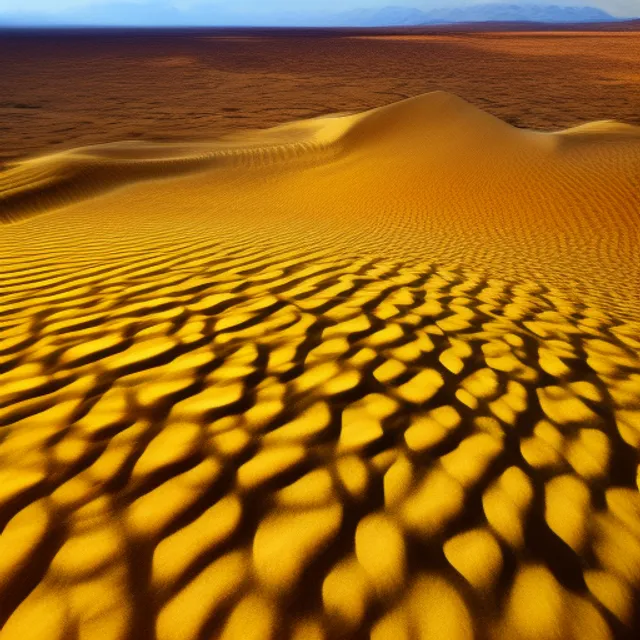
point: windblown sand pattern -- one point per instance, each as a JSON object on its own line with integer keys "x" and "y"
{"x": 362, "y": 376}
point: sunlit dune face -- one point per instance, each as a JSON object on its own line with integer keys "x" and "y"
{"x": 431, "y": 176}
{"x": 371, "y": 376}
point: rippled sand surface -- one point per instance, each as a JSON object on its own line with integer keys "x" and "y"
{"x": 363, "y": 376}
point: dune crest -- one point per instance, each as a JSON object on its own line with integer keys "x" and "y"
{"x": 433, "y": 177}
{"x": 50, "y": 181}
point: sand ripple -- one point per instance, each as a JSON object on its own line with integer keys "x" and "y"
{"x": 208, "y": 429}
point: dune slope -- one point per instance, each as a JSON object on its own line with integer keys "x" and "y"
{"x": 432, "y": 179}
{"x": 374, "y": 375}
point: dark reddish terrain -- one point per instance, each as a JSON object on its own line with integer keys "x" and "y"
{"x": 64, "y": 89}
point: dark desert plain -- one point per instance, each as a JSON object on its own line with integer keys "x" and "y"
{"x": 65, "y": 89}
{"x": 316, "y": 335}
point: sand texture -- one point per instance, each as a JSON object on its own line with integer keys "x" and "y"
{"x": 363, "y": 376}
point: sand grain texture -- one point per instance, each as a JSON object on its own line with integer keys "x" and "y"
{"x": 373, "y": 375}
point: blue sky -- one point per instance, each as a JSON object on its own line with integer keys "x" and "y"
{"x": 51, "y": 7}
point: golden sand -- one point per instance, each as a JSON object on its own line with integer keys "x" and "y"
{"x": 375, "y": 375}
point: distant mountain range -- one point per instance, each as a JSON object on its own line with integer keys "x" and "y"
{"x": 394, "y": 16}
{"x": 128, "y": 14}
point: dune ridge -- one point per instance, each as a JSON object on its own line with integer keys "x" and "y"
{"x": 368, "y": 376}
{"x": 397, "y": 127}
{"x": 46, "y": 182}
{"x": 455, "y": 171}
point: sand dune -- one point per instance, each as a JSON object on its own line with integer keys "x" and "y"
{"x": 373, "y": 375}
{"x": 93, "y": 87}
{"x": 430, "y": 179}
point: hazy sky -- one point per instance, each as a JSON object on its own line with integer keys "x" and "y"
{"x": 615, "y": 7}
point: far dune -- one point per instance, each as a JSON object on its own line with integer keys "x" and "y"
{"x": 63, "y": 90}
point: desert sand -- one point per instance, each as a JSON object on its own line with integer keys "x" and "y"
{"x": 63, "y": 90}
{"x": 371, "y": 375}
